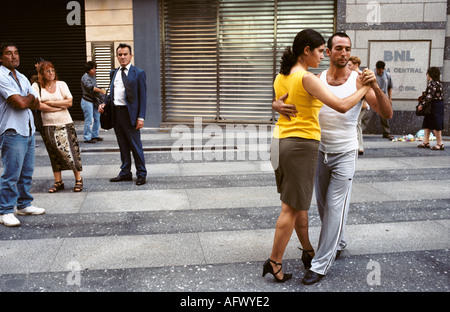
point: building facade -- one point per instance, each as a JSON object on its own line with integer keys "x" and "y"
{"x": 217, "y": 59}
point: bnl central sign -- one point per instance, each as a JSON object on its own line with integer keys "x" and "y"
{"x": 406, "y": 61}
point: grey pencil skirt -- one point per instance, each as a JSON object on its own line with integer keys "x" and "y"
{"x": 294, "y": 161}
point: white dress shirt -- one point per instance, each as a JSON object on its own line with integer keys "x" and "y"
{"x": 119, "y": 88}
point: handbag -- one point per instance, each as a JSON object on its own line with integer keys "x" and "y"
{"x": 106, "y": 118}
{"x": 426, "y": 107}
{"x": 37, "y": 116}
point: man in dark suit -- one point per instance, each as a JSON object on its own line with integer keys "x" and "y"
{"x": 128, "y": 94}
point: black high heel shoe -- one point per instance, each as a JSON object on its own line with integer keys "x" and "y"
{"x": 306, "y": 258}
{"x": 267, "y": 268}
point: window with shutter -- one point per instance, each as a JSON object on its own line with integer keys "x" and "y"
{"x": 103, "y": 55}
{"x": 219, "y": 57}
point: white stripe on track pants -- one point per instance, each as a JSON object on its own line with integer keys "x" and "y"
{"x": 333, "y": 186}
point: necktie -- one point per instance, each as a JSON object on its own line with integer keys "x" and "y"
{"x": 128, "y": 88}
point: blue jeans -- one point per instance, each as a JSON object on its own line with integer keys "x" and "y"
{"x": 18, "y": 167}
{"x": 90, "y": 113}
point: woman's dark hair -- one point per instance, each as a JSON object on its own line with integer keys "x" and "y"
{"x": 89, "y": 65}
{"x": 305, "y": 38}
{"x": 434, "y": 73}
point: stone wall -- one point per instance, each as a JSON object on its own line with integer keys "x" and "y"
{"x": 109, "y": 21}
{"x": 409, "y": 20}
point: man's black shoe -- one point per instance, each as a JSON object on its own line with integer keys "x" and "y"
{"x": 120, "y": 179}
{"x": 311, "y": 277}
{"x": 338, "y": 254}
{"x": 90, "y": 141}
{"x": 98, "y": 139}
{"x": 140, "y": 181}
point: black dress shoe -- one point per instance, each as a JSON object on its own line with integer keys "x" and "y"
{"x": 120, "y": 179}
{"x": 90, "y": 141}
{"x": 98, "y": 139}
{"x": 311, "y": 277}
{"x": 140, "y": 181}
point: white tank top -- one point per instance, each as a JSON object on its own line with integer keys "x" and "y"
{"x": 338, "y": 130}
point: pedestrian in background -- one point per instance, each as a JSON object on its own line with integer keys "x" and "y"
{"x": 354, "y": 62}
{"x": 435, "y": 120}
{"x": 384, "y": 80}
{"x": 92, "y": 96}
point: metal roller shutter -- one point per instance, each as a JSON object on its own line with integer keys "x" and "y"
{"x": 220, "y": 57}
{"x": 41, "y": 29}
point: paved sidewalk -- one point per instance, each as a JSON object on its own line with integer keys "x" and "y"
{"x": 206, "y": 226}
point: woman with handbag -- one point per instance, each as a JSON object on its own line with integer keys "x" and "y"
{"x": 60, "y": 137}
{"x": 434, "y": 121}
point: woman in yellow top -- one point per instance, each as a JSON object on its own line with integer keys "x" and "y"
{"x": 295, "y": 145}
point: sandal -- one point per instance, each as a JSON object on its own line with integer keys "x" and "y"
{"x": 57, "y": 186}
{"x": 424, "y": 145}
{"x": 78, "y": 186}
{"x": 267, "y": 268}
{"x": 306, "y": 258}
{"x": 436, "y": 148}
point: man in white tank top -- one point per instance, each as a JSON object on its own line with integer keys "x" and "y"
{"x": 337, "y": 153}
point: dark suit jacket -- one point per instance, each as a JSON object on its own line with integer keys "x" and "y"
{"x": 137, "y": 80}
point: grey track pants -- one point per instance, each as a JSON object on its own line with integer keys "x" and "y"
{"x": 334, "y": 177}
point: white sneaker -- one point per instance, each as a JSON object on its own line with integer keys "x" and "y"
{"x": 9, "y": 219}
{"x": 30, "y": 210}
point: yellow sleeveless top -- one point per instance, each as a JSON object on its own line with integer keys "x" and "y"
{"x": 306, "y": 123}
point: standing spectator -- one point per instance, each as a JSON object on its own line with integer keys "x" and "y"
{"x": 129, "y": 103}
{"x": 17, "y": 143}
{"x": 384, "y": 80}
{"x": 435, "y": 120}
{"x": 92, "y": 96}
{"x": 354, "y": 62}
{"x": 32, "y": 75}
{"x": 60, "y": 135}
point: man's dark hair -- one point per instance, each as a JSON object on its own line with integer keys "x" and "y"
{"x": 124, "y": 45}
{"x": 4, "y": 45}
{"x": 338, "y": 34}
{"x": 89, "y": 65}
{"x": 38, "y": 60}
{"x": 380, "y": 65}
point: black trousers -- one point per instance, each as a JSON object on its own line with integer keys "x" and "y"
{"x": 129, "y": 140}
